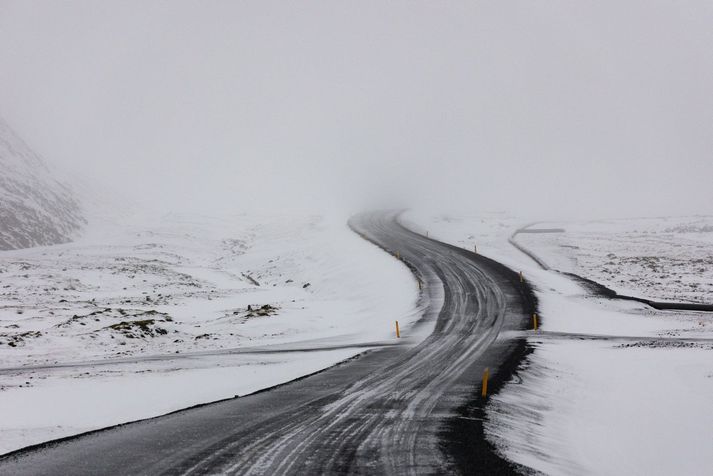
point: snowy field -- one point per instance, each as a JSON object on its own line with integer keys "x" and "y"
{"x": 157, "y": 313}
{"x": 663, "y": 259}
{"x": 612, "y": 387}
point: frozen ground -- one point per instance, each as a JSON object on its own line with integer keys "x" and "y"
{"x": 157, "y": 313}
{"x": 628, "y": 394}
{"x": 656, "y": 258}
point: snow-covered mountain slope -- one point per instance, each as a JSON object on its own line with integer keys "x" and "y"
{"x": 35, "y": 208}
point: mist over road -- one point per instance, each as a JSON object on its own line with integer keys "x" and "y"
{"x": 404, "y": 409}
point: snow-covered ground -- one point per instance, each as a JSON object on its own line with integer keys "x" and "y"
{"x": 630, "y": 394}
{"x": 656, "y": 258}
{"x": 150, "y": 314}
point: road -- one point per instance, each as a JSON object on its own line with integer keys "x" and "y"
{"x": 408, "y": 409}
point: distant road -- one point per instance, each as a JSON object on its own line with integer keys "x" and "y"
{"x": 598, "y": 288}
{"x": 409, "y": 409}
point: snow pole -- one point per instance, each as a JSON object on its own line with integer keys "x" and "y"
{"x": 522, "y": 279}
{"x": 534, "y": 321}
{"x": 486, "y": 375}
{"x": 398, "y": 255}
{"x": 475, "y": 249}
{"x": 398, "y": 332}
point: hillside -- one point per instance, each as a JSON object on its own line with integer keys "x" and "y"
{"x": 35, "y": 208}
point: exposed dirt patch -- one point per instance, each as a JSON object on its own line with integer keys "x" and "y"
{"x": 17, "y": 340}
{"x": 139, "y": 329}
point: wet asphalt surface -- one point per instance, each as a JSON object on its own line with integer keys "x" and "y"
{"x": 408, "y": 409}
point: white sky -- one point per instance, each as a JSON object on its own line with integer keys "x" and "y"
{"x": 546, "y": 108}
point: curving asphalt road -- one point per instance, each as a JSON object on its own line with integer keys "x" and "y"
{"x": 408, "y": 409}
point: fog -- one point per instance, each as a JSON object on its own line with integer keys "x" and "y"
{"x": 549, "y": 109}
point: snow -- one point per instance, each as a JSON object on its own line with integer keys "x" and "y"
{"x": 195, "y": 277}
{"x": 117, "y": 304}
{"x": 637, "y": 402}
{"x": 594, "y": 408}
{"x": 663, "y": 259}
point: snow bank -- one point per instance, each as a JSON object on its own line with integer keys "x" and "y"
{"x": 595, "y": 408}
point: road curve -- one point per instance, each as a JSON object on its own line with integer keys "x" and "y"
{"x": 410, "y": 409}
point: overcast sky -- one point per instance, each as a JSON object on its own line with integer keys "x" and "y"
{"x": 546, "y": 108}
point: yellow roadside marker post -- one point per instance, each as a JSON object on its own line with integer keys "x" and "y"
{"x": 486, "y": 375}
{"x": 398, "y": 332}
